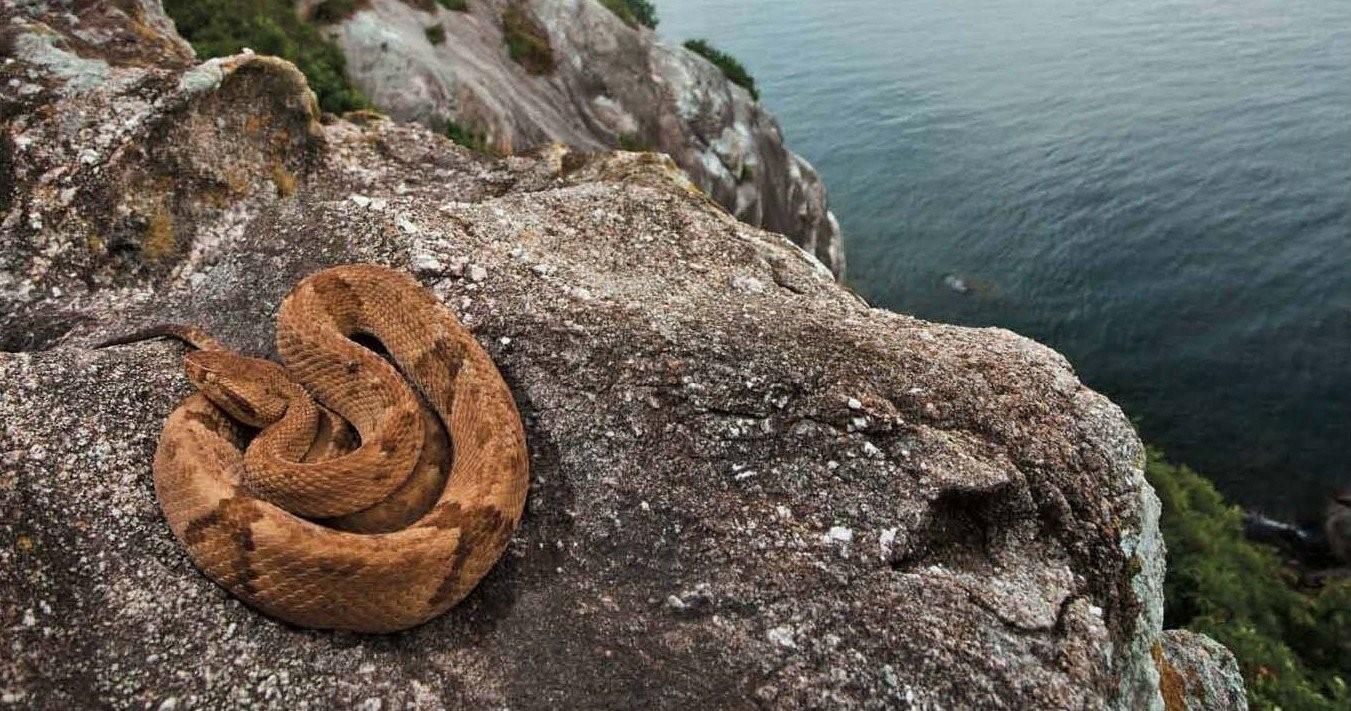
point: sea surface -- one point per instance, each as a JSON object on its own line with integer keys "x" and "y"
{"x": 1159, "y": 189}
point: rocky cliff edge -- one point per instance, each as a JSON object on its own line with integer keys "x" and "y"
{"x": 749, "y": 488}
{"x": 608, "y": 83}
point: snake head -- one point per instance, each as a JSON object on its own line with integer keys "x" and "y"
{"x": 251, "y": 390}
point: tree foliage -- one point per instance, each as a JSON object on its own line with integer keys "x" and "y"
{"x": 1293, "y": 645}
{"x": 216, "y": 28}
{"x": 731, "y": 68}
{"x": 634, "y": 12}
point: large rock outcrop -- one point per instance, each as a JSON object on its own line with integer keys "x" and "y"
{"x": 749, "y": 488}
{"x": 610, "y": 84}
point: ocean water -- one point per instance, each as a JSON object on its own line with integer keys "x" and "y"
{"x": 1159, "y": 189}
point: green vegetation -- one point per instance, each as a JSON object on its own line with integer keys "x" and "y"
{"x": 634, "y": 142}
{"x": 436, "y": 34}
{"x": 527, "y": 42}
{"x": 729, "y": 65}
{"x": 330, "y": 11}
{"x": 634, "y": 12}
{"x": 454, "y": 5}
{"x": 217, "y": 28}
{"x": 1293, "y": 645}
{"x": 467, "y": 137}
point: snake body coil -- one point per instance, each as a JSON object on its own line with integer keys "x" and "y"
{"x": 303, "y": 525}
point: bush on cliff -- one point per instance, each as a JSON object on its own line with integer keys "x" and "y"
{"x": 1294, "y": 646}
{"x": 467, "y": 136}
{"x": 217, "y": 28}
{"x": 633, "y": 12}
{"x": 731, "y": 68}
{"x": 527, "y": 41}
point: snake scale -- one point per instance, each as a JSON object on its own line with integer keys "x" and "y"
{"x": 358, "y": 503}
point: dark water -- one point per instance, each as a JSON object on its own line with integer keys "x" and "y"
{"x": 1159, "y": 189}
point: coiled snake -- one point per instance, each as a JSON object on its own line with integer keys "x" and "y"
{"x": 308, "y": 528}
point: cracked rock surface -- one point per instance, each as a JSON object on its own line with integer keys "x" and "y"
{"x": 748, "y": 487}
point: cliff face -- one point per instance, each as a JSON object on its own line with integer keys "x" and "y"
{"x": 748, "y": 486}
{"x": 609, "y": 85}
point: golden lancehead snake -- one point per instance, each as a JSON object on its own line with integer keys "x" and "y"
{"x": 346, "y": 509}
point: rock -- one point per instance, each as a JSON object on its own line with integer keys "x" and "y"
{"x": 1337, "y": 526}
{"x": 1020, "y": 562}
{"x": 611, "y": 85}
{"x": 782, "y": 636}
{"x": 1197, "y": 673}
{"x": 956, "y": 283}
{"x": 840, "y": 534}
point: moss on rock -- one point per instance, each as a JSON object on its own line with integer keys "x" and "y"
{"x": 527, "y": 41}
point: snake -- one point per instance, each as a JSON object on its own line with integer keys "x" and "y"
{"x": 368, "y": 481}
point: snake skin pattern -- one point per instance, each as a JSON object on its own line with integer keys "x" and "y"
{"x": 305, "y": 525}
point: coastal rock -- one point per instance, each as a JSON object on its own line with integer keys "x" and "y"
{"x": 1196, "y": 673}
{"x": 610, "y": 85}
{"x": 748, "y": 487}
{"x": 1337, "y": 526}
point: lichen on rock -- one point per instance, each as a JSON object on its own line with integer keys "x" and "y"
{"x": 1197, "y": 673}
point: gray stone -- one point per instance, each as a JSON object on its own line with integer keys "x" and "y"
{"x": 612, "y": 85}
{"x": 1198, "y": 674}
{"x": 1337, "y": 526}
